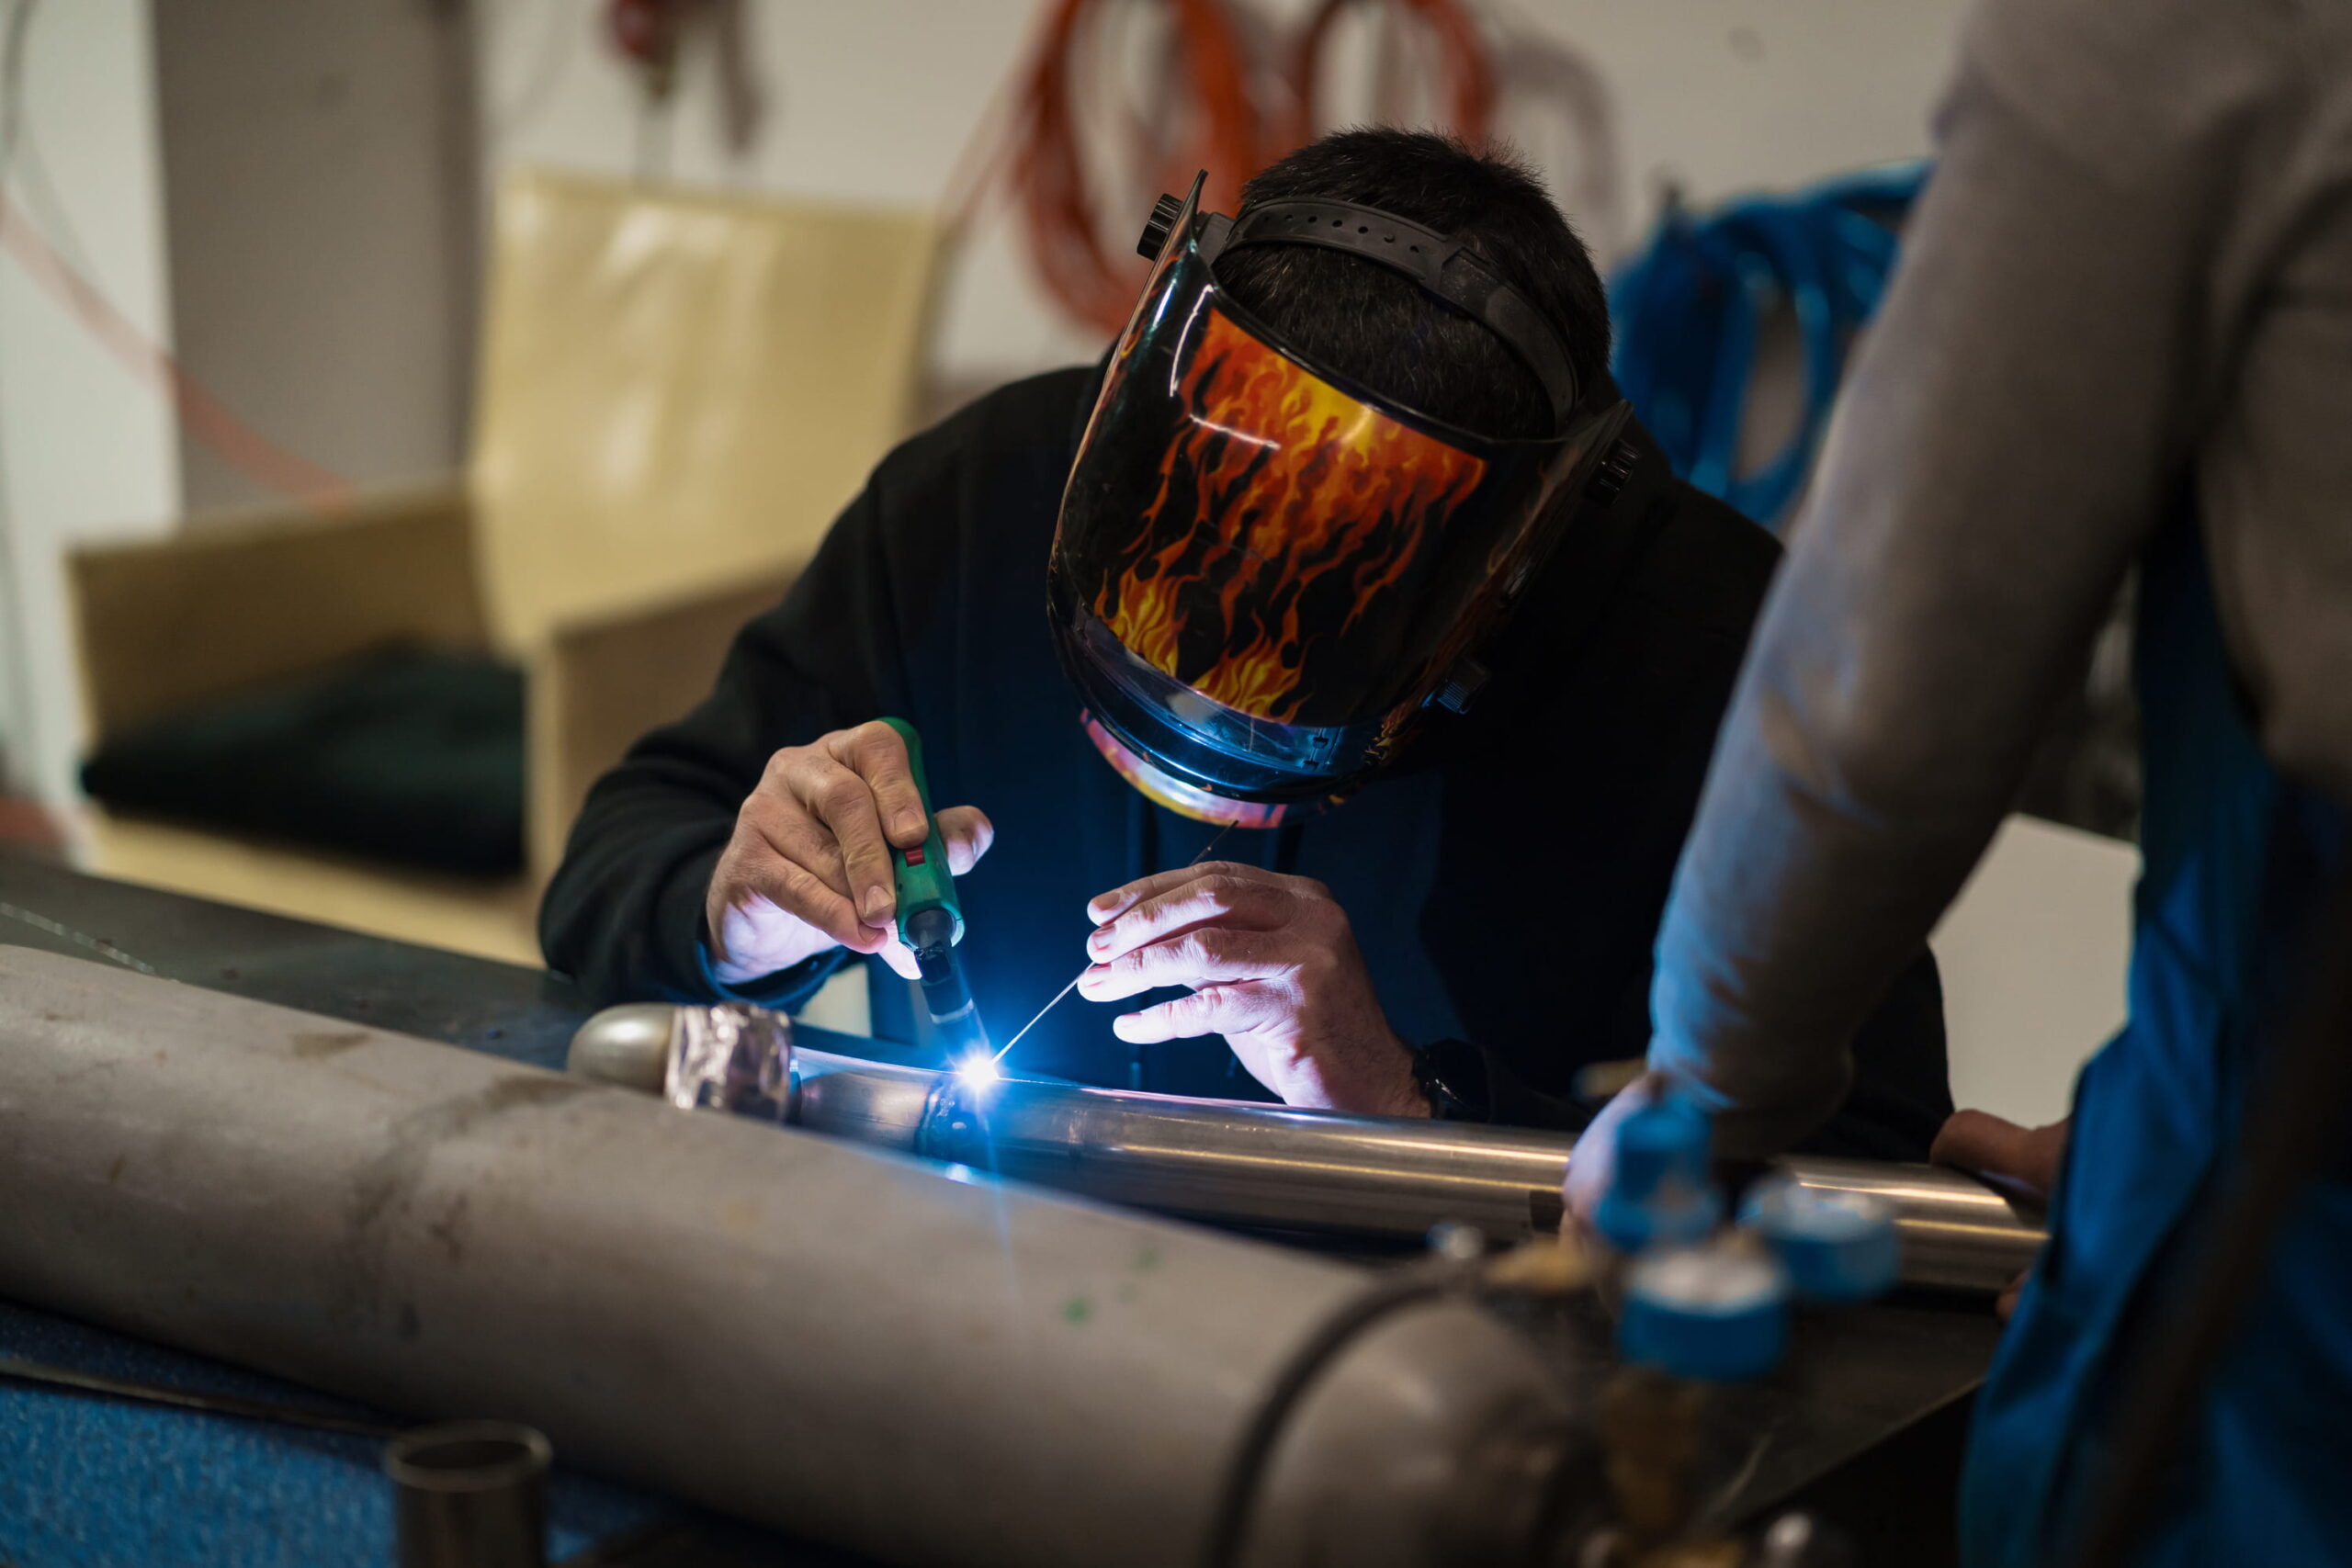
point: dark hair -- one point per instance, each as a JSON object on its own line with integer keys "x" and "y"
{"x": 1378, "y": 326}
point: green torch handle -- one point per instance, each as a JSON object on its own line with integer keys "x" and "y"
{"x": 920, "y": 876}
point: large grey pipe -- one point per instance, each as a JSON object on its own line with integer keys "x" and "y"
{"x": 1239, "y": 1162}
{"x": 838, "y": 1340}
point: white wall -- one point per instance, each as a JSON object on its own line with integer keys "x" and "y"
{"x": 86, "y": 445}
{"x": 2033, "y": 954}
{"x": 874, "y": 101}
{"x": 1727, "y": 95}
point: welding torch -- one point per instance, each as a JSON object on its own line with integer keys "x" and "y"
{"x": 931, "y": 921}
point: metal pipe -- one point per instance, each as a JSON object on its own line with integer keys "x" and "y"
{"x": 1249, "y": 1163}
{"x": 836, "y": 1340}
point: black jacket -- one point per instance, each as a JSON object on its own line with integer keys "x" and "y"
{"x": 1505, "y": 889}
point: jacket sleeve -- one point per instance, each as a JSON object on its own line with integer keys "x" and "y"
{"x": 624, "y": 913}
{"x": 2016, "y": 420}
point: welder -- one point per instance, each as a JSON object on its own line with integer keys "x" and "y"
{"x": 1346, "y": 560}
{"x": 2121, "y": 338}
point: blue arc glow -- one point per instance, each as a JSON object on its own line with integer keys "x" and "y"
{"x": 978, "y": 1072}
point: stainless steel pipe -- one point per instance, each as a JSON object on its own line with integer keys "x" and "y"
{"x": 836, "y": 1340}
{"x": 1245, "y": 1162}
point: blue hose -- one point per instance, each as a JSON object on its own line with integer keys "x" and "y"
{"x": 1687, "y": 308}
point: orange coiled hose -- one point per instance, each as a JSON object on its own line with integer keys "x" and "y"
{"x": 1469, "y": 69}
{"x": 1235, "y": 99}
{"x": 1094, "y": 275}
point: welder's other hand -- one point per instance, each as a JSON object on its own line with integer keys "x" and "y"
{"x": 808, "y": 866}
{"x": 1592, "y": 1164}
{"x": 2022, "y": 1161}
{"x": 1272, "y": 966}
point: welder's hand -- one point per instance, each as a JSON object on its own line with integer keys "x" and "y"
{"x": 2023, "y": 1161}
{"x": 808, "y": 867}
{"x": 1273, "y": 967}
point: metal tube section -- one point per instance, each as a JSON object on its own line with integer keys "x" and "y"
{"x": 1258, "y": 1164}
{"x": 845, "y": 1343}
{"x": 1249, "y": 1163}
{"x": 469, "y": 1494}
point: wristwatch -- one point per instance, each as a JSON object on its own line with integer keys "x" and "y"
{"x": 1452, "y": 1076}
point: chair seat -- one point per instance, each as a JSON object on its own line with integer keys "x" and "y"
{"x": 488, "y": 919}
{"x": 410, "y": 758}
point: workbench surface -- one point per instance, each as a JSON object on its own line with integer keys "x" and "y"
{"x": 91, "y": 1483}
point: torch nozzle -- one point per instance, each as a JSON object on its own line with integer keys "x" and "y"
{"x": 931, "y": 933}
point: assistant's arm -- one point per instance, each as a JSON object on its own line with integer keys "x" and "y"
{"x": 2020, "y": 412}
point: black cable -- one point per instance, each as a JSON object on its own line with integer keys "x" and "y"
{"x": 201, "y": 1402}
{"x": 1238, "y": 1497}
{"x": 2289, "y": 1136}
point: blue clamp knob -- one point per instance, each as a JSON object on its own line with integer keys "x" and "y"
{"x": 1661, "y": 1193}
{"x": 1837, "y": 1246}
{"x": 1717, "y": 1313}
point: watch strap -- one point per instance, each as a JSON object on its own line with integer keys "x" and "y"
{"x": 1452, "y": 1074}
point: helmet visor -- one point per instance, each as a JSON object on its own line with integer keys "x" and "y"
{"x": 1262, "y": 570}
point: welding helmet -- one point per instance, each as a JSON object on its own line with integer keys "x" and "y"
{"x": 1264, "y": 572}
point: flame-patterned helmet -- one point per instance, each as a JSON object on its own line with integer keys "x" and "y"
{"x": 1263, "y": 571}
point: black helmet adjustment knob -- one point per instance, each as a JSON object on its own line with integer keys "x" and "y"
{"x": 1615, "y": 469}
{"x": 1159, "y": 226}
{"x": 1461, "y": 687}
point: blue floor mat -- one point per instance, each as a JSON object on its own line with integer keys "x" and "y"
{"x": 95, "y": 1482}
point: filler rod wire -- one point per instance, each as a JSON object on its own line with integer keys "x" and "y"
{"x": 1074, "y": 979}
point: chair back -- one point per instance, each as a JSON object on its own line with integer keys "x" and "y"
{"x": 678, "y": 391}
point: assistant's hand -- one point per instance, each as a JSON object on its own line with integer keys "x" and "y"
{"x": 808, "y": 867}
{"x": 2024, "y": 1161}
{"x": 1273, "y": 967}
{"x": 1592, "y": 1164}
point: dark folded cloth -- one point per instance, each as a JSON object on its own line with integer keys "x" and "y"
{"x": 407, "y": 756}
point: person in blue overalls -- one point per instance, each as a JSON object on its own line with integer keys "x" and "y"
{"x": 2121, "y": 335}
